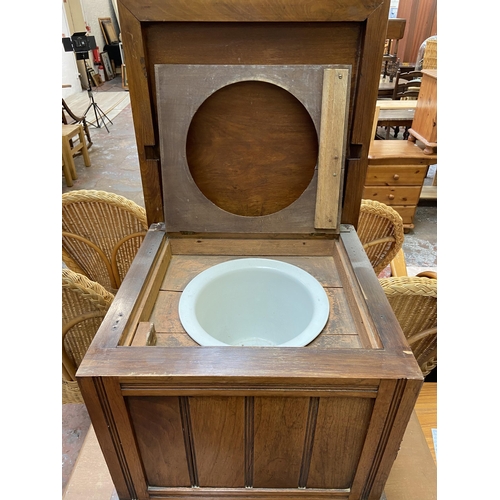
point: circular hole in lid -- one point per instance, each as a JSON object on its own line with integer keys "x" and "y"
{"x": 252, "y": 148}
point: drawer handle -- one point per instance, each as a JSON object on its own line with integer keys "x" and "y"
{"x": 391, "y": 197}
{"x": 395, "y": 177}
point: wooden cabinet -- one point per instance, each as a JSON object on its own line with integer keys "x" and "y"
{"x": 424, "y": 126}
{"x": 395, "y": 176}
{"x": 231, "y": 100}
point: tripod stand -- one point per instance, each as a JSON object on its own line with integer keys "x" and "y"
{"x": 98, "y": 112}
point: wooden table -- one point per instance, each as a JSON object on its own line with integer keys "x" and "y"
{"x": 413, "y": 475}
{"x": 395, "y": 118}
{"x": 386, "y": 87}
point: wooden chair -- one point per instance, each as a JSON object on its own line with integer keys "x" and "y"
{"x": 70, "y": 118}
{"x": 406, "y": 88}
{"x": 101, "y": 234}
{"x": 84, "y": 305}
{"x": 414, "y": 302}
{"x": 395, "y": 32}
{"x": 405, "y": 83}
{"x": 70, "y": 149}
{"x": 380, "y": 230}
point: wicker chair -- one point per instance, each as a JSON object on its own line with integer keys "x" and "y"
{"x": 414, "y": 302}
{"x": 84, "y": 305}
{"x": 101, "y": 234}
{"x": 380, "y": 230}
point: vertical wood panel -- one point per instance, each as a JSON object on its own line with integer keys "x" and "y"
{"x": 144, "y": 124}
{"x": 158, "y": 429}
{"x": 218, "y": 425}
{"x": 280, "y": 426}
{"x": 340, "y": 434}
{"x": 364, "y": 108}
{"x": 125, "y": 440}
{"x": 331, "y": 147}
{"x": 95, "y": 401}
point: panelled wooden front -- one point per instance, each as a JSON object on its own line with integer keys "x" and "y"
{"x": 259, "y": 442}
{"x": 339, "y": 441}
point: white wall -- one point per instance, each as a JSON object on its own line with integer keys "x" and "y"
{"x": 69, "y": 67}
{"x": 393, "y": 9}
{"x": 92, "y": 11}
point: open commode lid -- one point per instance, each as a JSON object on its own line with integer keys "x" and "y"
{"x": 252, "y": 149}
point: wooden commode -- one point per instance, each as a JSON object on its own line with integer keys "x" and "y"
{"x": 251, "y": 128}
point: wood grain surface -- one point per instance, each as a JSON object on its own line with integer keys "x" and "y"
{"x": 242, "y": 158}
{"x": 426, "y": 410}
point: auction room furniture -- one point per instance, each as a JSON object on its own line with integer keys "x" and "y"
{"x": 385, "y": 88}
{"x": 252, "y": 133}
{"x": 154, "y": 38}
{"x": 102, "y": 233}
{"x": 395, "y": 31}
{"x": 395, "y": 119}
{"x": 396, "y": 168}
{"x": 84, "y": 305}
{"x": 90, "y": 477}
{"x": 407, "y": 82}
{"x": 406, "y": 87}
{"x": 70, "y": 149}
{"x": 414, "y": 302}
{"x": 380, "y": 230}
{"x": 74, "y": 119}
{"x": 424, "y": 127}
{"x": 396, "y": 174}
{"x": 390, "y": 113}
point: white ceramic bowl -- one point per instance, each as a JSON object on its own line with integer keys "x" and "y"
{"x": 254, "y": 302}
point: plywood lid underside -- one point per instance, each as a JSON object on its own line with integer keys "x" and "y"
{"x": 239, "y": 147}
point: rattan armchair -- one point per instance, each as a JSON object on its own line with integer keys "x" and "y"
{"x": 101, "y": 234}
{"x": 84, "y": 305}
{"x": 380, "y": 230}
{"x": 414, "y": 302}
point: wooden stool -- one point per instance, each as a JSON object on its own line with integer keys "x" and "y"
{"x": 69, "y": 151}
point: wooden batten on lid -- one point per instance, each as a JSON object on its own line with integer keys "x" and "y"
{"x": 252, "y": 149}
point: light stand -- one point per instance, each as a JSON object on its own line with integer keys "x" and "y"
{"x": 98, "y": 112}
{"x": 81, "y": 44}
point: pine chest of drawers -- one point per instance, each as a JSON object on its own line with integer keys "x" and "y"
{"x": 395, "y": 176}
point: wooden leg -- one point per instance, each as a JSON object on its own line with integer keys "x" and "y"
{"x": 85, "y": 151}
{"x": 87, "y": 133}
{"x": 68, "y": 163}
{"x": 67, "y": 173}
